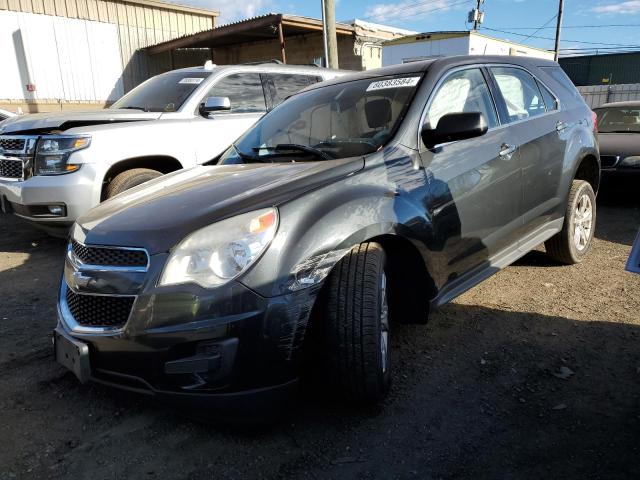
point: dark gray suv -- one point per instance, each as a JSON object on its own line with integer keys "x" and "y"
{"x": 368, "y": 199}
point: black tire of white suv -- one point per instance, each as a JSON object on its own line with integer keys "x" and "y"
{"x": 129, "y": 179}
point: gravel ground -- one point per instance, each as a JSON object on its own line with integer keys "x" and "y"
{"x": 533, "y": 374}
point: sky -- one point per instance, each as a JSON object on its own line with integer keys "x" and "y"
{"x": 607, "y": 25}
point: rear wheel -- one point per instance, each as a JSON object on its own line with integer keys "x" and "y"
{"x": 574, "y": 241}
{"x": 357, "y": 328}
{"x": 129, "y": 179}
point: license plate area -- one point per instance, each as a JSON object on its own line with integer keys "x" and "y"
{"x": 73, "y": 355}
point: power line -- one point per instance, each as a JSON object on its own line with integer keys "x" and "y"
{"x": 413, "y": 6}
{"x": 565, "y": 40}
{"x": 575, "y": 26}
{"x": 543, "y": 26}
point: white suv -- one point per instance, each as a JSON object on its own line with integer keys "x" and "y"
{"x": 56, "y": 166}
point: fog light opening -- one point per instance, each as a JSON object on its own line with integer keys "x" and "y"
{"x": 57, "y": 210}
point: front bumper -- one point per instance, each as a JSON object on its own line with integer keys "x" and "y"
{"x": 224, "y": 346}
{"x": 29, "y": 199}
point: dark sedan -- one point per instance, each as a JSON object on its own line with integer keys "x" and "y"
{"x": 619, "y": 127}
{"x": 361, "y": 201}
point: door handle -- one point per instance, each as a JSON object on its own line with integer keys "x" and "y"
{"x": 507, "y": 151}
{"x": 560, "y": 126}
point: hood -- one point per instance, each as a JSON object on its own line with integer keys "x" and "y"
{"x": 68, "y": 119}
{"x": 622, "y": 144}
{"x": 158, "y": 214}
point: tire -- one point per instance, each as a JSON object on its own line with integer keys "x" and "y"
{"x": 357, "y": 326}
{"x": 129, "y": 179}
{"x": 574, "y": 241}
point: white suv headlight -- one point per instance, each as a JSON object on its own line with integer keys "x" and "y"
{"x": 220, "y": 252}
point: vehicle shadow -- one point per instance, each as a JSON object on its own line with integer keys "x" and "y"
{"x": 618, "y": 210}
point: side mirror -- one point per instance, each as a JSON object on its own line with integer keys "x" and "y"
{"x": 215, "y": 104}
{"x": 454, "y": 126}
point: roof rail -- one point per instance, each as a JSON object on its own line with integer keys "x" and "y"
{"x": 262, "y": 62}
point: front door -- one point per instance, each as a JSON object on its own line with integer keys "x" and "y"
{"x": 474, "y": 186}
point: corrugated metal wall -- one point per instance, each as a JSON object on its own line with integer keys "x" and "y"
{"x": 139, "y": 23}
{"x": 622, "y": 68}
{"x": 596, "y": 95}
{"x": 65, "y": 58}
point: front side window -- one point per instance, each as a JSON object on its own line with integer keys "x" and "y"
{"x": 520, "y": 92}
{"x": 618, "y": 120}
{"x": 244, "y": 90}
{"x": 335, "y": 121}
{"x": 162, "y": 93}
{"x": 463, "y": 91}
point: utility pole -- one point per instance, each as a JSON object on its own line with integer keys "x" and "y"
{"x": 558, "y": 30}
{"x": 477, "y": 16}
{"x": 329, "y": 28}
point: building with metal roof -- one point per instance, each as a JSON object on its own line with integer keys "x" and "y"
{"x": 289, "y": 38}
{"x": 607, "y": 69}
{"x": 61, "y": 54}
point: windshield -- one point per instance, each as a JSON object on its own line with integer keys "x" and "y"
{"x": 620, "y": 120}
{"x": 163, "y": 93}
{"x": 337, "y": 121}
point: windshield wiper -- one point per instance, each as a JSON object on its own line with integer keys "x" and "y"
{"x": 294, "y": 146}
{"x": 136, "y": 108}
{"x": 245, "y": 156}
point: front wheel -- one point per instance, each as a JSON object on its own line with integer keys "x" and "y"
{"x": 574, "y": 241}
{"x": 357, "y": 324}
{"x": 129, "y": 179}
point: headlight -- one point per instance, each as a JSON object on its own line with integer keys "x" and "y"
{"x": 53, "y": 152}
{"x": 220, "y": 252}
{"x": 631, "y": 162}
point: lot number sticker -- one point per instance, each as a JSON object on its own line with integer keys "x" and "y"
{"x": 393, "y": 83}
{"x": 192, "y": 81}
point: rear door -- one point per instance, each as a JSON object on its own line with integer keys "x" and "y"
{"x": 533, "y": 114}
{"x": 475, "y": 185}
{"x": 215, "y": 132}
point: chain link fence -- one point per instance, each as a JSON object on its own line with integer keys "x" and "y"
{"x": 596, "y": 95}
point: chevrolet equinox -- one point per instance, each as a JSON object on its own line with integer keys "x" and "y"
{"x": 367, "y": 199}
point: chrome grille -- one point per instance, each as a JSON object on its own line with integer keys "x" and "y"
{"x": 98, "y": 310}
{"x": 109, "y": 256}
{"x": 608, "y": 161}
{"x": 13, "y": 144}
{"x": 10, "y": 168}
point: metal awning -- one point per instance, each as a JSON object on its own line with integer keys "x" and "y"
{"x": 266, "y": 27}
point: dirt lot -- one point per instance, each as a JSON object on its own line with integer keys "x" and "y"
{"x": 477, "y": 392}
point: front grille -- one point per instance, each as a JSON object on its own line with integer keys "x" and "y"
{"x": 608, "y": 161}
{"x": 109, "y": 257}
{"x": 99, "y": 311}
{"x": 12, "y": 144}
{"x": 10, "y": 168}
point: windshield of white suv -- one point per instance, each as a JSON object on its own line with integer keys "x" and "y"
{"x": 163, "y": 93}
{"x": 337, "y": 121}
{"x": 618, "y": 120}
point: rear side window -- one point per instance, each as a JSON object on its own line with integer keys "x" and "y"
{"x": 565, "y": 82}
{"x": 244, "y": 91}
{"x": 287, "y": 84}
{"x": 520, "y": 92}
{"x": 463, "y": 91}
